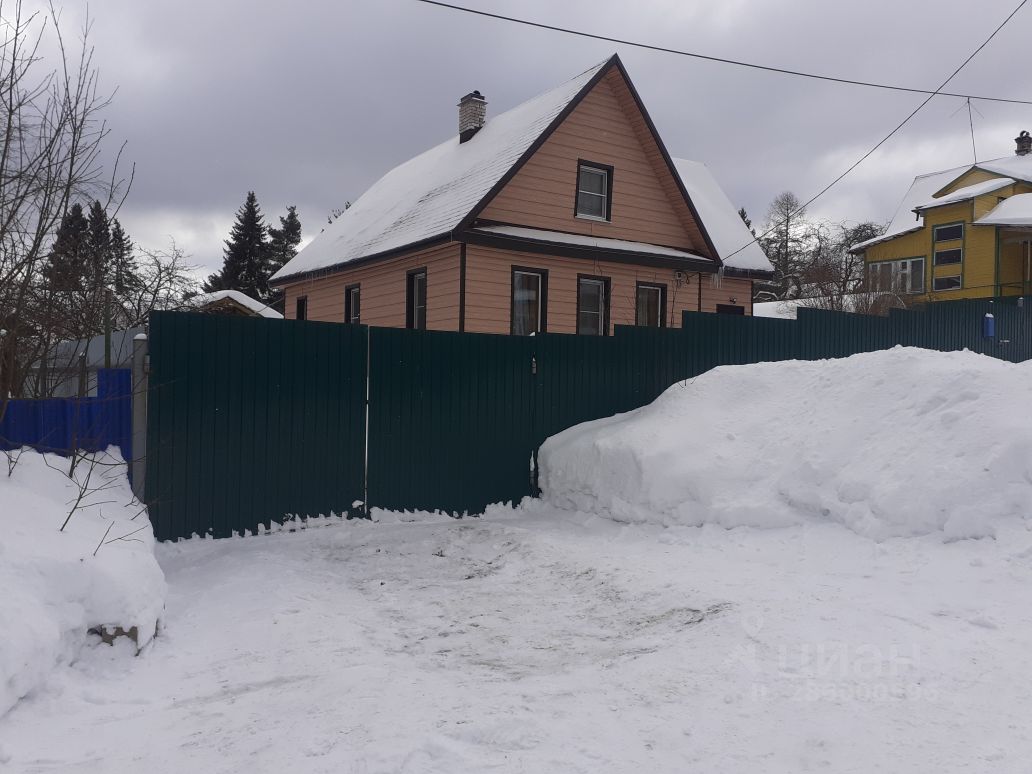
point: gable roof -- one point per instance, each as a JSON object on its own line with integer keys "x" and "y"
{"x": 904, "y": 221}
{"x": 442, "y": 190}
{"x": 967, "y": 192}
{"x": 253, "y": 305}
{"x": 730, "y": 235}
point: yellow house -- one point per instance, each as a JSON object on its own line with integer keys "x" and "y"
{"x": 960, "y": 233}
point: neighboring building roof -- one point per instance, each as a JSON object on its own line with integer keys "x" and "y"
{"x": 967, "y": 192}
{"x": 427, "y": 198}
{"x": 922, "y": 193}
{"x": 1018, "y": 167}
{"x": 903, "y": 221}
{"x": 789, "y": 308}
{"x": 726, "y": 228}
{"x": 1013, "y": 211}
{"x": 210, "y": 300}
{"x": 584, "y": 240}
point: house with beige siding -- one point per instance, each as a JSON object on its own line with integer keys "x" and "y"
{"x": 964, "y": 232}
{"x": 564, "y": 214}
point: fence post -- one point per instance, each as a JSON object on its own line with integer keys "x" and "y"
{"x": 138, "y": 464}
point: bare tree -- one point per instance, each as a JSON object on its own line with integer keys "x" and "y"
{"x": 51, "y": 154}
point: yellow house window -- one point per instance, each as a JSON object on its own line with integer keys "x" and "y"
{"x": 906, "y": 276}
{"x": 949, "y": 233}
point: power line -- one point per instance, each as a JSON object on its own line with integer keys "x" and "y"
{"x": 891, "y": 134}
{"x": 722, "y": 60}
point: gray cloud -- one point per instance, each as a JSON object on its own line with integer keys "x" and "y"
{"x": 308, "y": 103}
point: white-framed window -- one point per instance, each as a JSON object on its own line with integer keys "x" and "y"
{"x": 948, "y": 257}
{"x": 594, "y": 191}
{"x": 416, "y": 299}
{"x": 592, "y": 306}
{"x": 353, "y": 304}
{"x": 948, "y": 232}
{"x": 947, "y": 283}
{"x": 905, "y": 276}
{"x": 650, "y": 305}
{"x": 529, "y": 300}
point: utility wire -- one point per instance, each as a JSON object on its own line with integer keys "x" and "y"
{"x": 722, "y": 60}
{"x": 890, "y": 135}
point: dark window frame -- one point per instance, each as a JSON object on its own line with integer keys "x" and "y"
{"x": 607, "y": 284}
{"x": 542, "y": 301}
{"x": 661, "y": 286}
{"x": 301, "y": 308}
{"x": 935, "y": 232}
{"x": 596, "y": 165}
{"x": 958, "y": 277}
{"x": 409, "y": 306}
{"x": 348, "y": 289}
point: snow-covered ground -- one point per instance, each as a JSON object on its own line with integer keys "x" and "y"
{"x": 558, "y": 642}
{"x": 76, "y": 552}
{"x": 604, "y": 628}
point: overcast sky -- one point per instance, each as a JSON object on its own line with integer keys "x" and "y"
{"x": 308, "y": 103}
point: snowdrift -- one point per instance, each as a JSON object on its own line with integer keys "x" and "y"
{"x": 54, "y": 589}
{"x": 898, "y": 443}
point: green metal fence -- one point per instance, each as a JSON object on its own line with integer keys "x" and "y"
{"x": 254, "y": 420}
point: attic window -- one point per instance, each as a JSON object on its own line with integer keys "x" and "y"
{"x": 594, "y": 191}
{"x": 949, "y": 233}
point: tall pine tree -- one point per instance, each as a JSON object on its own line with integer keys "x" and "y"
{"x": 243, "y": 263}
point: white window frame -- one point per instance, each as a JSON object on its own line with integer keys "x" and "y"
{"x": 602, "y": 326}
{"x": 583, "y": 167}
{"x": 901, "y": 279}
{"x": 958, "y": 277}
{"x": 540, "y": 275}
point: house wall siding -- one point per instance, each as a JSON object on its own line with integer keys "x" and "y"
{"x": 489, "y": 289}
{"x": 646, "y": 204}
{"x": 383, "y": 285}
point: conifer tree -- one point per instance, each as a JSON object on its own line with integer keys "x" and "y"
{"x": 243, "y": 264}
{"x": 123, "y": 262}
{"x": 283, "y": 241}
{"x": 66, "y": 264}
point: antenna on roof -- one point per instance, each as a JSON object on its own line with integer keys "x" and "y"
{"x": 971, "y": 125}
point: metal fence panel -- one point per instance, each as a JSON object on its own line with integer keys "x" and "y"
{"x": 251, "y": 421}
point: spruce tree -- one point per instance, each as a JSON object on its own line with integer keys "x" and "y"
{"x": 123, "y": 265}
{"x": 283, "y": 241}
{"x": 243, "y": 263}
{"x": 98, "y": 249}
{"x": 66, "y": 265}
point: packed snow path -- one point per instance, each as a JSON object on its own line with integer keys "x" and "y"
{"x": 558, "y": 643}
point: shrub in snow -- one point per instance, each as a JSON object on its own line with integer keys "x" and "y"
{"x": 895, "y": 443}
{"x": 98, "y": 573}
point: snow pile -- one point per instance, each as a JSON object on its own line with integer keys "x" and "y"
{"x": 896, "y": 443}
{"x": 57, "y": 585}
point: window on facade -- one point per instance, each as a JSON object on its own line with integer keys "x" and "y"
{"x": 594, "y": 189}
{"x": 592, "y": 306}
{"x": 415, "y": 316}
{"x": 948, "y": 233}
{"x": 301, "y": 308}
{"x": 650, "y": 305}
{"x": 528, "y": 301}
{"x": 353, "y": 304}
{"x": 906, "y": 276}
{"x": 946, "y": 283}
{"x": 947, "y": 257}
{"x": 730, "y": 309}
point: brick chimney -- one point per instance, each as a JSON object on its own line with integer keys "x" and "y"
{"x": 472, "y": 115}
{"x": 1024, "y": 143}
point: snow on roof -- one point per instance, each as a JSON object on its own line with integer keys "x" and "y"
{"x": 561, "y": 237}
{"x": 967, "y": 192}
{"x": 429, "y": 195}
{"x": 920, "y": 190}
{"x": 1013, "y": 211}
{"x": 721, "y": 219}
{"x": 260, "y": 309}
{"x": 1018, "y": 167}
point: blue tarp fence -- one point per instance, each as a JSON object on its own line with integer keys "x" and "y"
{"x": 62, "y": 425}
